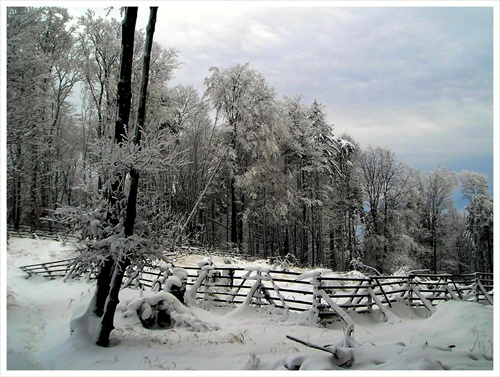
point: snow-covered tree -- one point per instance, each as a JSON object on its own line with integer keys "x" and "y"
{"x": 345, "y": 206}
{"x": 189, "y": 122}
{"x": 478, "y": 236}
{"x": 41, "y": 72}
{"x": 438, "y": 187}
{"x": 384, "y": 180}
{"x": 99, "y": 48}
{"x": 245, "y": 102}
{"x": 121, "y": 160}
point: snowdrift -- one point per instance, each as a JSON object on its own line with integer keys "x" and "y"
{"x": 457, "y": 336}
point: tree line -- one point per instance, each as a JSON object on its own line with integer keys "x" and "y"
{"x": 238, "y": 167}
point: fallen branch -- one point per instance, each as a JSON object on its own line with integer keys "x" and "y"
{"x": 341, "y": 352}
{"x": 311, "y": 345}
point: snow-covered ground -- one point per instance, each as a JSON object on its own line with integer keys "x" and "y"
{"x": 458, "y": 336}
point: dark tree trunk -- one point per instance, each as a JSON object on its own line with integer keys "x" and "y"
{"x": 124, "y": 83}
{"x": 112, "y": 301}
{"x": 121, "y": 265}
{"x": 286, "y": 245}
{"x": 234, "y": 212}
{"x": 33, "y": 188}
{"x": 17, "y": 193}
{"x": 434, "y": 251}
{"x": 139, "y": 125}
{"x": 17, "y": 202}
{"x": 102, "y": 288}
{"x": 109, "y": 278}
{"x": 213, "y": 223}
{"x": 240, "y": 221}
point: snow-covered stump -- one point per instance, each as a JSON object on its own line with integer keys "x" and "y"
{"x": 179, "y": 275}
{"x": 164, "y": 311}
{"x": 208, "y": 287}
{"x": 174, "y": 286}
{"x": 159, "y": 283}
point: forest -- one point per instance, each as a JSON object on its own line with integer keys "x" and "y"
{"x": 238, "y": 168}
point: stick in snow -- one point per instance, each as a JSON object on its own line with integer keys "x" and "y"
{"x": 342, "y": 358}
{"x": 308, "y": 344}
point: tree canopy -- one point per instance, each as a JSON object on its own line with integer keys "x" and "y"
{"x": 238, "y": 167}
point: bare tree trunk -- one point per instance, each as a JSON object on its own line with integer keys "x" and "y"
{"x": 139, "y": 126}
{"x": 106, "y": 290}
{"x": 121, "y": 265}
{"x": 17, "y": 192}
{"x": 234, "y": 212}
{"x": 196, "y": 205}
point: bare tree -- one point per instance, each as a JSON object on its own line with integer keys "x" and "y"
{"x": 478, "y": 236}
{"x": 382, "y": 182}
{"x": 243, "y": 99}
{"x": 108, "y": 280}
{"x": 438, "y": 190}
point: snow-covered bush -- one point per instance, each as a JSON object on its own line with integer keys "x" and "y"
{"x": 162, "y": 311}
{"x": 283, "y": 263}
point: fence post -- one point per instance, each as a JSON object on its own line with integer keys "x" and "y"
{"x": 314, "y": 317}
{"x": 269, "y": 278}
{"x": 191, "y": 293}
{"x": 370, "y": 300}
{"x": 410, "y": 289}
{"x": 456, "y": 288}
{"x": 480, "y": 289}
{"x": 476, "y": 286}
{"x": 255, "y": 290}
{"x": 207, "y": 285}
{"x": 383, "y": 292}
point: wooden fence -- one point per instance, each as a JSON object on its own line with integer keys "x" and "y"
{"x": 325, "y": 295}
{"x": 322, "y": 293}
{"x": 46, "y": 232}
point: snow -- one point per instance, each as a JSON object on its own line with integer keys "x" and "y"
{"x": 257, "y": 268}
{"x": 40, "y": 313}
{"x": 308, "y": 275}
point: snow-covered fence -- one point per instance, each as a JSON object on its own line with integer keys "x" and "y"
{"x": 43, "y": 232}
{"x": 476, "y": 287}
{"x": 390, "y": 289}
{"x": 51, "y": 270}
{"x": 441, "y": 287}
{"x": 232, "y": 286}
{"x": 323, "y": 294}
{"x": 338, "y": 294}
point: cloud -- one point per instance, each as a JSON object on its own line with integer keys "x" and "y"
{"x": 259, "y": 37}
{"x": 417, "y": 80}
{"x": 437, "y": 134}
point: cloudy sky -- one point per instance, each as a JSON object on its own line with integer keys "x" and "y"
{"x": 416, "y": 80}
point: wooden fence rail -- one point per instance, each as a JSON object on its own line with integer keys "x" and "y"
{"x": 45, "y": 232}
{"x": 327, "y": 297}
